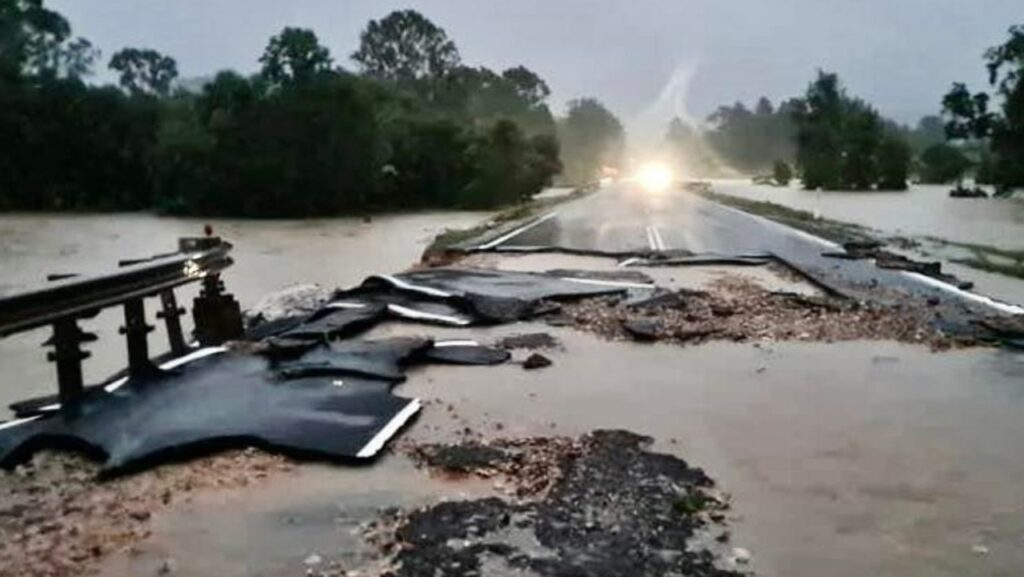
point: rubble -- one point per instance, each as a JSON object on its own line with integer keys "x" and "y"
{"x": 598, "y": 505}
{"x": 644, "y": 330}
{"x": 530, "y": 342}
{"x": 890, "y": 260}
{"x": 536, "y": 361}
{"x": 298, "y": 300}
{"x": 737, "y": 309}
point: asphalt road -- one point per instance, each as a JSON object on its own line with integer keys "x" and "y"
{"x": 625, "y": 218}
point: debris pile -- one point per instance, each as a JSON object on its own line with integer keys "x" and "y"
{"x": 738, "y": 309}
{"x": 890, "y": 260}
{"x": 599, "y": 505}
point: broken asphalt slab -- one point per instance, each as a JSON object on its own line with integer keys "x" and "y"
{"x": 297, "y": 390}
{"x": 333, "y": 403}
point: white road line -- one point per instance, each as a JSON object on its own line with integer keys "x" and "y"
{"x": 463, "y": 343}
{"x": 16, "y": 422}
{"x": 609, "y": 283}
{"x": 650, "y": 239}
{"x": 414, "y": 314}
{"x": 389, "y": 430}
{"x": 628, "y": 262}
{"x": 657, "y": 238}
{"x": 980, "y": 299}
{"x": 654, "y": 239}
{"x": 509, "y": 236}
{"x": 113, "y": 386}
{"x": 343, "y": 305}
{"x": 399, "y": 283}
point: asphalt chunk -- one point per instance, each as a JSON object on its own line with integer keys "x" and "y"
{"x": 608, "y": 507}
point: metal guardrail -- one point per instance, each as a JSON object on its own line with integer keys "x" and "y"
{"x": 65, "y": 301}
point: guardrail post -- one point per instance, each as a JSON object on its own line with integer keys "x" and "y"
{"x": 217, "y": 315}
{"x": 135, "y": 330}
{"x": 171, "y": 315}
{"x": 68, "y": 355}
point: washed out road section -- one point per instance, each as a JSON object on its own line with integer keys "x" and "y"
{"x": 625, "y": 219}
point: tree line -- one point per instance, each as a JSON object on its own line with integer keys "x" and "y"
{"x": 411, "y": 127}
{"x": 833, "y": 140}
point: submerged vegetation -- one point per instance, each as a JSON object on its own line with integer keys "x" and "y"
{"x": 1001, "y": 132}
{"x": 412, "y": 127}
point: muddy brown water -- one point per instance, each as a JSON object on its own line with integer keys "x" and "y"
{"x": 846, "y": 459}
{"x": 269, "y": 256}
{"x": 923, "y": 210}
{"x": 852, "y": 459}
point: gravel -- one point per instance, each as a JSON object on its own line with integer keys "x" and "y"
{"x": 737, "y": 309}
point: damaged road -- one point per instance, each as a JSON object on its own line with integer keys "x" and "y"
{"x": 599, "y": 505}
{"x": 680, "y": 228}
{"x": 292, "y": 387}
{"x": 738, "y": 310}
{"x": 314, "y": 379}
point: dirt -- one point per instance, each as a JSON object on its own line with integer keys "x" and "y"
{"x": 536, "y": 361}
{"x": 529, "y": 341}
{"x": 598, "y": 505}
{"x": 57, "y": 518}
{"x": 735, "y": 308}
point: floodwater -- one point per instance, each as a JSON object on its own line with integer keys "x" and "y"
{"x": 850, "y": 459}
{"x": 269, "y": 256}
{"x": 845, "y": 459}
{"x": 924, "y": 210}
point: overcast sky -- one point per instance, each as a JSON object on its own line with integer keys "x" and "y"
{"x": 646, "y": 59}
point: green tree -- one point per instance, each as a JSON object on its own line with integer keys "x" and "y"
{"x": 508, "y": 167}
{"x": 943, "y": 164}
{"x": 969, "y": 116}
{"x": 405, "y": 46}
{"x": 894, "y": 156}
{"x": 751, "y": 140}
{"x": 843, "y": 143}
{"x": 36, "y": 41}
{"x": 144, "y": 71}
{"x": 294, "y": 56}
{"x": 782, "y": 174}
{"x": 526, "y": 85}
{"x": 592, "y": 138}
{"x": 482, "y": 97}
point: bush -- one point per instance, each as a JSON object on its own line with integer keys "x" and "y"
{"x": 782, "y": 174}
{"x": 943, "y": 164}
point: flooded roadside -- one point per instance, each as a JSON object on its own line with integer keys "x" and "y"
{"x": 923, "y": 210}
{"x": 922, "y": 223}
{"x": 269, "y": 255}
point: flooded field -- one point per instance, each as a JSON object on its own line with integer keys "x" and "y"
{"x": 924, "y": 210}
{"x": 269, "y": 255}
